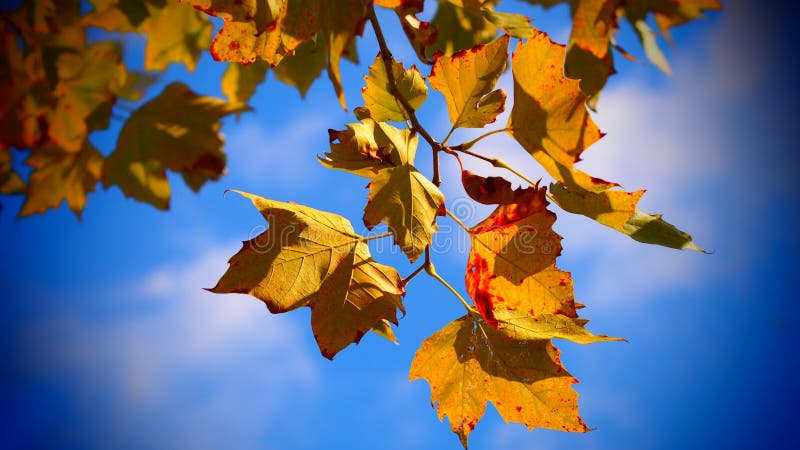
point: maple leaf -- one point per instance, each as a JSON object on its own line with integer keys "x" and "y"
{"x": 405, "y": 199}
{"x": 378, "y": 97}
{"x": 10, "y": 181}
{"x": 304, "y": 67}
{"x": 178, "y": 131}
{"x": 365, "y": 148}
{"x": 549, "y": 118}
{"x": 314, "y": 258}
{"x": 61, "y": 175}
{"x": 617, "y": 210}
{"x": 465, "y": 80}
{"x": 512, "y": 261}
{"x": 468, "y": 364}
{"x": 87, "y": 80}
{"x": 460, "y": 28}
{"x": 176, "y": 34}
{"x": 239, "y": 81}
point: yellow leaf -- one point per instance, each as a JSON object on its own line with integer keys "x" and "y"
{"x": 365, "y": 148}
{"x": 549, "y": 118}
{"x": 519, "y": 324}
{"x": 617, "y": 210}
{"x": 239, "y": 82}
{"x": 87, "y": 80}
{"x": 465, "y": 80}
{"x": 314, "y": 258}
{"x": 60, "y": 175}
{"x": 383, "y": 106}
{"x": 304, "y": 66}
{"x": 468, "y": 364}
{"x": 175, "y": 34}
{"x": 406, "y": 200}
{"x": 178, "y": 131}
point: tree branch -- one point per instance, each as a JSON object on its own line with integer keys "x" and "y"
{"x": 416, "y": 126}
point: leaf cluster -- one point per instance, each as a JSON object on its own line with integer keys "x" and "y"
{"x": 60, "y": 89}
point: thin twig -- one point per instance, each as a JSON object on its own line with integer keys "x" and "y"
{"x": 497, "y": 162}
{"x": 458, "y": 221}
{"x": 416, "y": 126}
{"x": 416, "y": 272}
{"x": 432, "y": 272}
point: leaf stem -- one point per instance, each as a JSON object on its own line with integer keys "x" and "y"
{"x": 416, "y": 272}
{"x": 497, "y": 162}
{"x": 449, "y": 133}
{"x": 416, "y": 126}
{"x": 468, "y": 145}
{"x": 431, "y": 270}
{"x": 377, "y": 236}
{"x": 458, "y": 221}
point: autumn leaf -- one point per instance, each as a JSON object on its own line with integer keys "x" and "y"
{"x": 342, "y": 21}
{"x": 519, "y": 324}
{"x": 314, "y": 258}
{"x": 365, "y": 148}
{"x": 468, "y": 364}
{"x": 405, "y": 200}
{"x": 490, "y": 190}
{"x": 304, "y": 67}
{"x": 10, "y": 181}
{"x": 61, "y": 175}
{"x": 460, "y": 28}
{"x": 512, "y": 261}
{"x": 466, "y": 79}
{"x": 176, "y": 33}
{"x": 87, "y": 80}
{"x": 549, "y": 118}
{"x": 239, "y": 81}
{"x": 617, "y": 209}
{"x": 378, "y": 98}
{"x": 178, "y": 131}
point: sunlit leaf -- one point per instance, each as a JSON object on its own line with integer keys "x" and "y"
{"x": 466, "y": 79}
{"x": 549, "y": 118}
{"x": 617, "y": 209}
{"x": 378, "y": 97}
{"x": 468, "y": 364}
{"x": 405, "y": 200}
{"x": 314, "y": 258}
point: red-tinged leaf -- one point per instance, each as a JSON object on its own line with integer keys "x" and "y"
{"x": 466, "y": 79}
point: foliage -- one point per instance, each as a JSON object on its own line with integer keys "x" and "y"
{"x": 59, "y": 89}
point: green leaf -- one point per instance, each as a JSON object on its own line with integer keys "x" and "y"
{"x": 314, "y": 258}
{"x": 178, "y": 131}
{"x": 465, "y": 80}
{"x": 377, "y": 94}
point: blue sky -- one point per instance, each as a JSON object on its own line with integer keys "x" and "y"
{"x": 108, "y": 340}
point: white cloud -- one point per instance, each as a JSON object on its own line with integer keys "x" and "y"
{"x": 183, "y": 356}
